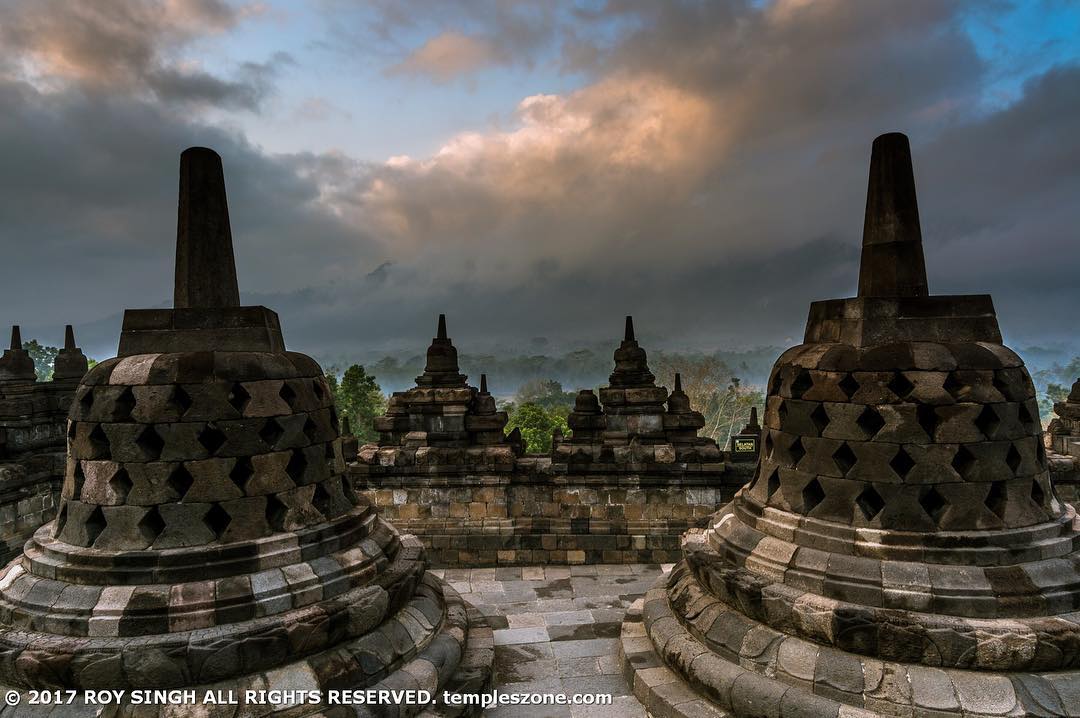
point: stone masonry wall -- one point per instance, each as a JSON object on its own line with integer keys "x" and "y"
{"x": 534, "y": 517}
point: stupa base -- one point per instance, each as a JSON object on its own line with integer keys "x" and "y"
{"x": 454, "y": 656}
{"x": 687, "y": 654}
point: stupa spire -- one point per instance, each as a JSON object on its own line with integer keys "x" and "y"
{"x": 16, "y": 337}
{"x": 441, "y": 333}
{"x": 205, "y": 266}
{"x": 69, "y": 337}
{"x": 628, "y": 335}
{"x": 483, "y": 384}
{"x": 892, "y": 253}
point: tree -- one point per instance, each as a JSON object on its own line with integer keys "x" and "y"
{"x": 713, "y": 390}
{"x": 358, "y": 397}
{"x": 547, "y": 393}
{"x": 536, "y": 424}
{"x": 43, "y": 358}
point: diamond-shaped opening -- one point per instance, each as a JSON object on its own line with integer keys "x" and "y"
{"x": 71, "y": 429}
{"x": 242, "y": 470}
{"x": 801, "y": 384}
{"x": 1025, "y": 417}
{"x": 995, "y": 499}
{"x": 271, "y": 432}
{"x": 987, "y": 421}
{"x": 927, "y": 417}
{"x": 782, "y": 413}
{"x": 180, "y": 400}
{"x": 844, "y": 458}
{"x": 217, "y": 520}
{"x": 150, "y": 443}
{"x": 796, "y": 452}
{"x": 121, "y": 484}
{"x": 180, "y": 481}
{"x": 848, "y": 385}
{"x": 80, "y": 479}
{"x": 151, "y": 525}
{"x": 311, "y": 430}
{"x": 297, "y": 466}
{"x": 777, "y": 381}
{"x": 773, "y": 484}
{"x": 812, "y": 495}
{"x": 1013, "y": 459}
{"x": 334, "y": 420}
{"x": 956, "y": 388}
{"x": 933, "y": 504}
{"x": 1040, "y": 454}
{"x": 321, "y": 500}
{"x": 276, "y": 513}
{"x": 900, "y": 385}
{"x": 124, "y": 405}
{"x": 870, "y": 421}
{"x": 820, "y": 417}
{"x": 316, "y": 386}
{"x": 963, "y": 462}
{"x": 212, "y": 438}
{"x": 1037, "y": 494}
{"x": 87, "y": 399}
{"x": 768, "y": 445}
{"x": 870, "y": 502}
{"x": 328, "y": 451}
{"x": 902, "y": 463}
{"x": 1003, "y": 387}
{"x": 238, "y": 397}
{"x": 287, "y": 394}
{"x": 61, "y": 520}
{"x": 99, "y": 444}
{"x": 95, "y": 524}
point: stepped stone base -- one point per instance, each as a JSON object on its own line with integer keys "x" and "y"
{"x": 437, "y": 643}
{"x": 688, "y": 654}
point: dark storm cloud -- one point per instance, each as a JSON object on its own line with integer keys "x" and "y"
{"x": 709, "y": 179}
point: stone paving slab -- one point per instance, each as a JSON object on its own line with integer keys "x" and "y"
{"x": 556, "y": 631}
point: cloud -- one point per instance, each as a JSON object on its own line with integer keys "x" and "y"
{"x": 709, "y": 178}
{"x": 446, "y": 56}
{"x": 130, "y": 46}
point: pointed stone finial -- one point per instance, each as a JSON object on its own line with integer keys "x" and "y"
{"x": 483, "y": 384}
{"x": 628, "y": 336}
{"x": 678, "y": 381}
{"x": 441, "y": 334}
{"x": 69, "y": 337}
{"x": 346, "y": 427}
{"x": 892, "y": 253}
{"x": 16, "y": 337}
{"x": 205, "y": 266}
{"x": 753, "y": 418}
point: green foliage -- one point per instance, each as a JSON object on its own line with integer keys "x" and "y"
{"x": 1053, "y": 394}
{"x": 43, "y": 358}
{"x": 358, "y": 397}
{"x": 546, "y": 393}
{"x": 536, "y": 424}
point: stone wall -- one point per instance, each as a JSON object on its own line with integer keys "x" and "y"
{"x": 29, "y": 495}
{"x": 534, "y": 513}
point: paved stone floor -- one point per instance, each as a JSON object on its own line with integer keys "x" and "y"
{"x": 556, "y": 630}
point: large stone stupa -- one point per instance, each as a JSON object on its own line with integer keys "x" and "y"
{"x": 900, "y": 551}
{"x": 208, "y": 536}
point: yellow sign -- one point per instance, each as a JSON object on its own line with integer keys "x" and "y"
{"x": 747, "y": 445}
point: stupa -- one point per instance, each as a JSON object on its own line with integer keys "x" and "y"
{"x": 900, "y": 551}
{"x": 207, "y": 535}
{"x": 442, "y": 411}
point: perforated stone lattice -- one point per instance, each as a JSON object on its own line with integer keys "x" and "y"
{"x": 929, "y": 443}
{"x": 235, "y": 458}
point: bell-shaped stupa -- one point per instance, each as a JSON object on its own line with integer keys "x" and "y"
{"x": 207, "y": 534}
{"x": 900, "y": 551}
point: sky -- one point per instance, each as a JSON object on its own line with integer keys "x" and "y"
{"x": 535, "y": 170}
